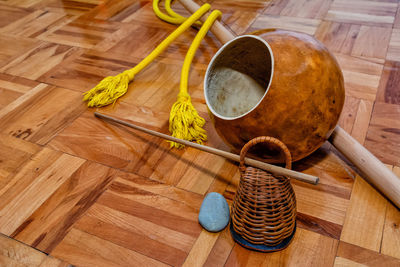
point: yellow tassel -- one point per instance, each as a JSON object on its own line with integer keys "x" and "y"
{"x": 185, "y": 123}
{"x": 109, "y": 89}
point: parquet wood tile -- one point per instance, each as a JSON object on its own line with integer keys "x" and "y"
{"x": 123, "y": 148}
{"x": 253, "y": 5}
{"x": 361, "y": 122}
{"x": 372, "y": 42}
{"x": 388, "y": 91}
{"x": 13, "y": 153}
{"x": 378, "y": 13}
{"x": 14, "y": 253}
{"x": 71, "y": 7}
{"x": 20, "y": 198}
{"x": 221, "y": 250}
{"x": 21, "y": 3}
{"x": 34, "y": 24}
{"x": 85, "y": 69}
{"x": 38, "y": 118}
{"x": 156, "y": 226}
{"x": 391, "y": 232}
{"x": 361, "y": 77}
{"x": 304, "y": 9}
{"x": 239, "y": 21}
{"x": 49, "y": 54}
{"x": 301, "y": 252}
{"x": 49, "y": 224}
{"x": 93, "y": 193}
{"x": 10, "y": 14}
{"x": 338, "y": 37}
{"x": 200, "y": 250}
{"x": 12, "y": 88}
{"x": 349, "y": 113}
{"x": 394, "y": 46}
{"x": 81, "y": 33}
{"x": 115, "y": 10}
{"x": 132, "y": 45}
{"x": 383, "y": 133}
{"x": 83, "y": 249}
{"x": 13, "y": 47}
{"x": 305, "y": 25}
{"x": 365, "y": 217}
{"x": 336, "y": 176}
{"x": 396, "y": 23}
{"x": 357, "y": 255}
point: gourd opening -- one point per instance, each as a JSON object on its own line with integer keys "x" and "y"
{"x": 238, "y": 77}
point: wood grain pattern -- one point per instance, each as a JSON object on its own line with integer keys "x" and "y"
{"x": 20, "y": 198}
{"x": 363, "y": 256}
{"x": 365, "y": 217}
{"x": 13, "y": 154}
{"x": 338, "y": 37}
{"x": 305, "y": 9}
{"x": 10, "y": 14}
{"x": 364, "y": 12}
{"x": 394, "y": 46}
{"x": 360, "y": 127}
{"x": 13, "y": 47}
{"x": 48, "y": 54}
{"x": 83, "y": 249}
{"x": 384, "y": 128}
{"x": 372, "y": 42}
{"x": 92, "y": 193}
{"x": 391, "y": 231}
{"x": 287, "y": 23}
{"x": 361, "y": 76}
{"x": 34, "y": 24}
{"x": 15, "y": 253}
{"x": 48, "y": 225}
{"x": 38, "y": 118}
{"x": 388, "y": 90}
{"x": 304, "y": 245}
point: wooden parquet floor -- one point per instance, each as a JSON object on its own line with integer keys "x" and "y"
{"x": 76, "y": 190}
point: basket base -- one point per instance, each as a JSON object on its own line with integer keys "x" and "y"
{"x": 262, "y": 248}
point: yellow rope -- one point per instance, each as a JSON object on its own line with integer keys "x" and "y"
{"x": 113, "y": 87}
{"x": 169, "y": 10}
{"x": 172, "y": 17}
{"x": 184, "y": 121}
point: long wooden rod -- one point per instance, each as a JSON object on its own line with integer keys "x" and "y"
{"x": 252, "y": 162}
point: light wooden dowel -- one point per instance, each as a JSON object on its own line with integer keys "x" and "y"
{"x": 255, "y": 163}
{"x": 372, "y": 168}
{"x": 219, "y": 30}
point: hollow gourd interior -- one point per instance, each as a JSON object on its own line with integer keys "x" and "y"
{"x": 238, "y": 77}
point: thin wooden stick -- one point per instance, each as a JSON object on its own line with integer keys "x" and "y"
{"x": 252, "y": 162}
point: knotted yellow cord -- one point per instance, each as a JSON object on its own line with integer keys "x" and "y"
{"x": 172, "y": 17}
{"x": 113, "y": 87}
{"x": 184, "y": 121}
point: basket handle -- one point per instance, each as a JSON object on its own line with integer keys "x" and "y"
{"x": 266, "y": 139}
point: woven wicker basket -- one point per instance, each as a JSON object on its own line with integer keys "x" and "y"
{"x": 264, "y": 208}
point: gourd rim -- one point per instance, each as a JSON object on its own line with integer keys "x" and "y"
{"x": 210, "y": 68}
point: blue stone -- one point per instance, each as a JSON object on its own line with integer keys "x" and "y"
{"x": 214, "y": 212}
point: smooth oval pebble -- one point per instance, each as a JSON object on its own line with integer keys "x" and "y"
{"x": 214, "y": 212}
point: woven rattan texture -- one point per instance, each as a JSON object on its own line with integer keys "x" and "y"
{"x": 264, "y": 209}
